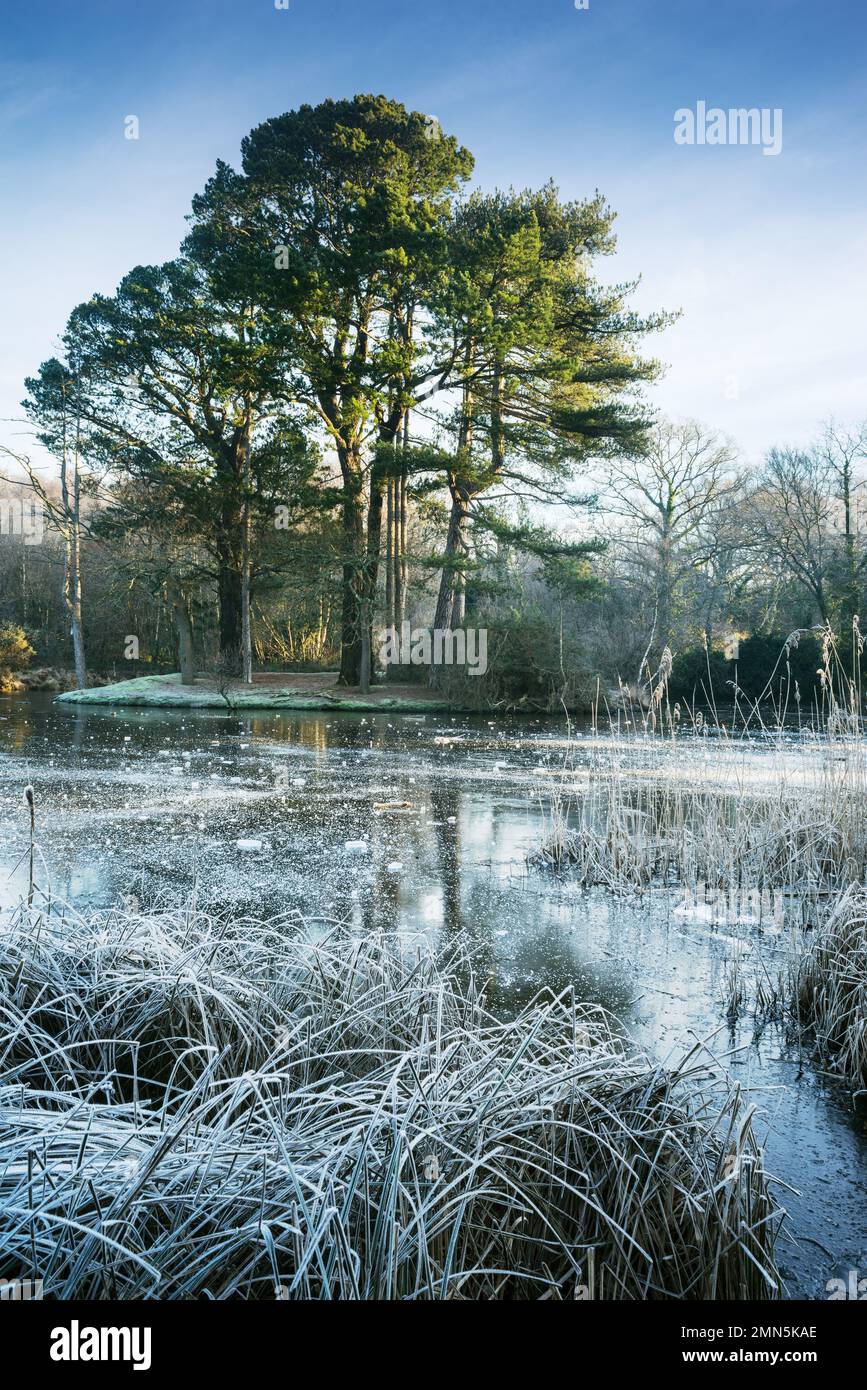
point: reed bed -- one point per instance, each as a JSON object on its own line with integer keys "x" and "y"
{"x": 198, "y": 1107}
{"x": 632, "y": 831}
{"x": 830, "y": 987}
{"x": 763, "y": 800}
{"x": 764, "y": 809}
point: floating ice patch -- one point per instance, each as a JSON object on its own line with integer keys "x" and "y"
{"x": 696, "y": 912}
{"x": 715, "y": 914}
{"x": 725, "y": 939}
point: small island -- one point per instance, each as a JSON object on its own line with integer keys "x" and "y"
{"x": 281, "y": 691}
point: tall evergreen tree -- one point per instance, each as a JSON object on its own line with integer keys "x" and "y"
{"x": 339, "y": 221}
{"x": 183, "y": 396}
{"x": 547, "y": 359}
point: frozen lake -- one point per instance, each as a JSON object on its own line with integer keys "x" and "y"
{"x": 424, "y": 823}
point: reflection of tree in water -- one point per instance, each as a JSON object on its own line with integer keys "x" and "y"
{"x": 471, "y": 927}
{"x": 381, "y": 904}
{"x": 445, "y": 806}
{"x": 532, "y": 953}
{"x": 394, "y": 838}
{"x": 79, "y": 729}
{"x": 516, "y": 951}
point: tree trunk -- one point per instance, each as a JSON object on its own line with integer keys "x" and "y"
{"x": 389, "y": 554}
{"x": 380, "y": 484}
{"x": 364, "y": 672}
{"x": 852, "y": 601}
{"x": 246, "y": 629}
{"x": 229, "y": 598}
{"x": 73, "y": 595}
{"x": 72, "y": 555}
{"x": 353, "y": 569}
{"x": 459, "y": 607}
{"x": 78, "y": 633}
{"x": 450, "y": 600}
{"x": 665, "y": 583}
{"x": 402, "y": 566}
{"x": 370, "y": 576}
{"x": 184, "y": 629}
{"x": 450, "y": 586}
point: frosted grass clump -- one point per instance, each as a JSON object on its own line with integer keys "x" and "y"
{"x": 831, "y": 986}
{"x": 193, "y": 1106}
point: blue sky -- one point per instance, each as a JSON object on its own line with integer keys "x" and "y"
{"x": 766, "y": 256}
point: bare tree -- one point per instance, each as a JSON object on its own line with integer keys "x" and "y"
{"x": 792, "y": 521}
{"x": 843, "y": 450}
{"x": 667, "y": 502}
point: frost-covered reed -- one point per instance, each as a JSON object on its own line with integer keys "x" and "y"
{"x": 736, "y": 804}
{"x": 193, "y": 1106}
{"x": 714, "y": 817}
{"x": 831, "y": 986}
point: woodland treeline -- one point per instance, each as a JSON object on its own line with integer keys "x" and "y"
{"x": 362, "y": 394}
